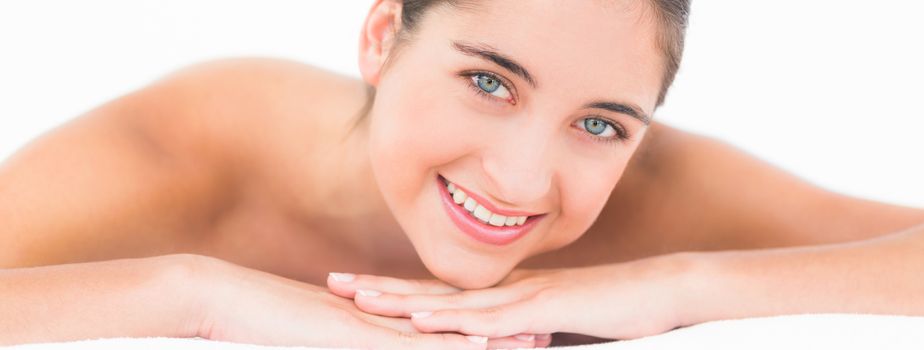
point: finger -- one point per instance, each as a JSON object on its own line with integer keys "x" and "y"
{"x": 543, "y": 340}
{"x": 493, "y": 322}
{"x": 384, "y": 338}
{"x": 398, "y": 305}
{"x": 396, "y": 323}
{"x": 346, "y": 284}
{"x": 519, "y": 341}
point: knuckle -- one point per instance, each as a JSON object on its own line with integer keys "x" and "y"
{"x": 491, "y": 314}
{"x": 405, "y": 339}
{"x": 483, "y": 322}
{"x": 453, "y": 341}
{"x": 456, "y": 299}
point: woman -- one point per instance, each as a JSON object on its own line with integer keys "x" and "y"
{"x": 506, "y": 182}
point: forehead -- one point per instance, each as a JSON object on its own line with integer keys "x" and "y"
{"x": 605, "y": 48}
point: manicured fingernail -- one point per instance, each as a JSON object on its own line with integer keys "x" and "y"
{"x": 525, "y": 337}
{"x": 368, "y": 292}
{"x": 543, "y": 336}
{"x": 421, "y": 314}
{"x": 342, "y": 277}
{"x": 477, "y": 339}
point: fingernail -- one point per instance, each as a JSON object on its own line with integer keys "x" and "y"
{"x": 525, "y": 337}
{"x": 342, "y": 277}
{"x": 421, "y": 314}
{"x": 543, "y": 336}
{"x": 368, "y": 292}
{"x": 477, "y": 339}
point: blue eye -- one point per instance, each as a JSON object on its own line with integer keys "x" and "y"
{"x": 601, "y": 128}
{"x": 491, "y": 85}
{"x": 487, "y": 84}
{"x": 595, "y": 126}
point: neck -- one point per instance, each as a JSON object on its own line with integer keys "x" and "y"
{"x": 358, "y": 209}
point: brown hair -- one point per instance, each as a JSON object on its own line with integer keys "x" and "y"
{"x": 671, "y": 16}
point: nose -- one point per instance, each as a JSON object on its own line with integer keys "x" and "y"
{"x": 519, "y": 166}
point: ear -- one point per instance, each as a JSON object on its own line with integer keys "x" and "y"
{"x": 377, "y": 37}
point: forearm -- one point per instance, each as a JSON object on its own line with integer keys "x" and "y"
{"x": 876, "y": 276}
{"x": 118, "y": 298}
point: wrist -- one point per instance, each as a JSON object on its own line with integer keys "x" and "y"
{"x": 183, "y": 278}
{"x": 696, "y": 279}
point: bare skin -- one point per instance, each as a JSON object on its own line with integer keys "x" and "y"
{"x": 188, "y": 165}
{"x": 236, "y": 165}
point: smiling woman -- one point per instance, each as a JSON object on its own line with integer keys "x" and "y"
{"x": 496, "y": 174}
{"x": 524, "y": 107}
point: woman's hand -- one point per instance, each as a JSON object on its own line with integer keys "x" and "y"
{"x": 249, "y": 306}
{"x": 615, "y": 301}
{"x": 352, "y": 286}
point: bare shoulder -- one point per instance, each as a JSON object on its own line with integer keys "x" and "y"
{"x": 246, "y": 105}
{"x": 151, "y": 171}
{"x": 706, "y": 194}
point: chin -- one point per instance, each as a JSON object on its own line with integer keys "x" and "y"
{"x": 467, "y": 274}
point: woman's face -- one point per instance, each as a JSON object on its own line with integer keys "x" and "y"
{"x": 531, "y": 108}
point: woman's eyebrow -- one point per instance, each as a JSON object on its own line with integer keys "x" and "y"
{"x": 624, "y": 108}
{"x": 489, "y": 53}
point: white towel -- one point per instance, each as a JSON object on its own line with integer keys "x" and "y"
{"x": 809, "y": 331}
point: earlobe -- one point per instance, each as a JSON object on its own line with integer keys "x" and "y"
{"x": 376, "y": 37}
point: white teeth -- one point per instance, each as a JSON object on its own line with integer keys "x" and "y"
{"x": 480, "y": 212}
{"x": 459, "y": 197}
{"x": 470, "y": 204}
{"x": 497, "y": 220}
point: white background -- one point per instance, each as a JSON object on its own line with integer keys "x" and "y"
{"x": 828, "y": 90}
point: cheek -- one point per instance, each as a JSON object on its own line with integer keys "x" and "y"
{"x": 584, "y": 194}
{"x": 411, "y": 134}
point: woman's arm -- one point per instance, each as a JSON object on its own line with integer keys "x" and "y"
{"x": 653, "y": 295}
{"x": 878, "y": 276}
{"x": 189, "y": 295}
{"x": 130, "y": 297}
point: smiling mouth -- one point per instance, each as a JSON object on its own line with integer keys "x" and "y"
{"x": 472, "y": 215}
{"x": 478, "y": 210}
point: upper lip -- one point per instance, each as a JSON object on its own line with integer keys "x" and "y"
{"x": 488, "y": 205}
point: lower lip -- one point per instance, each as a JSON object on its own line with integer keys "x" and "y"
{"x": 497, "y": 235}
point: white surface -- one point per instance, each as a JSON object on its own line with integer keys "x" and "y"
{"x": 829, "y": 90}
{"x": 823, "y": 331}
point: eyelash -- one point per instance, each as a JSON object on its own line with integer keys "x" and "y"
{"x": 621, "y": 134}
{"x": 469, "y": 75}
